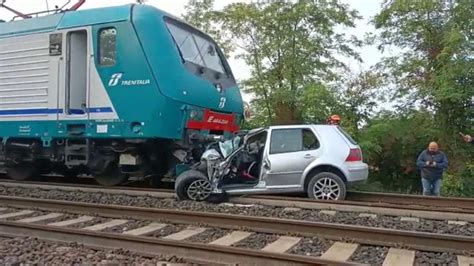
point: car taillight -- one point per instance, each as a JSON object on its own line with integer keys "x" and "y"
{"x": 354, "y": 155}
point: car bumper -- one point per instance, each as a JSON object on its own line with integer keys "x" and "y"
{"x": 358, "y": 172}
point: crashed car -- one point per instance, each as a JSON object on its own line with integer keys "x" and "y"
{"x": 319, "y": 160}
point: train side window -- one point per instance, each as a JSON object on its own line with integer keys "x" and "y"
{"x": 107, "y": 47}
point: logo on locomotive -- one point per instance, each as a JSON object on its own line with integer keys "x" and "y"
{"x": 115, "y": 80}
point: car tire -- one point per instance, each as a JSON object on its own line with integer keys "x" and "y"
{"x": 326, "y": 186}
{"x": 192, "y": 185}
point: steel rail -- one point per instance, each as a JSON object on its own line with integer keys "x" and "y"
{"x": 406, "y": 199}
{"x": 362, "y": 207}
{"x": 360, "y": 234}
{"x": 281, "y": 201}
{"x": 153, "y": 246}
{"x": 381, "y": 204}
{"x": 449, "y": 204}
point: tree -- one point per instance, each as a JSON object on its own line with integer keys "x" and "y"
{"x": 201, "y": 14}
{"x": 435, "y": 68}
{"x": 290, "y": 47}
{"x": 359, "y": 95}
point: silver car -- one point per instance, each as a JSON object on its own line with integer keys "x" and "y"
{"x": 319, "y": 160}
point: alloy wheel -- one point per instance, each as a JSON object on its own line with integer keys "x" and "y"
{"x": 326, "y": 189}
{"x": 199, "y": 190}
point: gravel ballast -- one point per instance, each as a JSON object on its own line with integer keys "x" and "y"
{"x": 311, "y": 246}
{"x": 389, "y": 222}
{"x": 209, "y": 235}
{"x": 169, "y": 229}
{"x": 372, "y": 255}
{"x": 256, "y": 241}
{"x": 435, "y": 258}
{"x": 31, "y": 251}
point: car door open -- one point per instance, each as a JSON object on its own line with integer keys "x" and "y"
{"x": 290, "y": 151}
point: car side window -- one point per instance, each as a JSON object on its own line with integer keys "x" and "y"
{"x": 310, "y": 142}
{"x": 286, "y": 140}
{"x": 256, "y": 143}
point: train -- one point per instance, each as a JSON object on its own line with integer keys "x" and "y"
{"x": 111, "y": 92}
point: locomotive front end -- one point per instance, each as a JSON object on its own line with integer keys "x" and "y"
{"x": 191, "y": 70}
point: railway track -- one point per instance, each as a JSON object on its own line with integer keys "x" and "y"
{"x": 412, "y": 200}
{"x": 286, "y": 234}
{"x": 93, "y": 234}
{"x": 453, "y": 214}
{"x": 366, "y": 199}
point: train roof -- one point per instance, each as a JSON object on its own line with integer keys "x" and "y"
{"x": 70, "y": 19}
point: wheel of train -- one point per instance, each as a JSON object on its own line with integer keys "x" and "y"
{"x": 112, "y": 176}
{"x": 22, "y": 171}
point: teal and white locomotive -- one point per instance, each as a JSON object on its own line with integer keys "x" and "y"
{"x": 110, "y": 92}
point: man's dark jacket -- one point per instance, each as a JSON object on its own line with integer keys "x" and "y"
{"x": 429, "y": 171}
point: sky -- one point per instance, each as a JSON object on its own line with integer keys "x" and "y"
{"x": 367, "y": 9}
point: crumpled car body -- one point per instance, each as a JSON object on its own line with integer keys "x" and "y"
{"x": 318, "y": 160}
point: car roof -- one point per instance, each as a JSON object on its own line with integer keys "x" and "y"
{"x": 303, "y": 125}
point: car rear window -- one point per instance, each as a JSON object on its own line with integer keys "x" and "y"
{"x": 347, "y": 135}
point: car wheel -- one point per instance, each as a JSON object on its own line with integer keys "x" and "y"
{"x": 326, "y": 186}
{"x": 193, "y": 185}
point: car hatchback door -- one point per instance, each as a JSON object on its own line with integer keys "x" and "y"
{"x": 290, "y": 151}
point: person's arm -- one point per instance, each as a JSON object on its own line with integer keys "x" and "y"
{"x": 421, "y": 162}
{"x": 444, "y": 163}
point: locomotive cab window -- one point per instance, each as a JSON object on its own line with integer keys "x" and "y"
{"x": 195, "y": 47}
{"x": 107, "y": 47}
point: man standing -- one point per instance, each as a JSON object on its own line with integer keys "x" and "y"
{"x": 432, "y": 163}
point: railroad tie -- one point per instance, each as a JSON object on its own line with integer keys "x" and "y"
{"x": 397, "y": 257}
{"x": 340, "y": 251}
{"x": 145, "y": 229}
{"x": 410, "y": 219}
{"x": 282, "y": 244}
{"x": 41, "y": 218}
{"x": 187, "y": 233}
{"x": 368, "y": 215}
{"x": 327, "y": 212}
{"x": 109, "y": 224}
{"x": 15, "y": 214}
{"x": 457, "y": 222}
{"x": 465, "y": 261}
{"x": 232, "y": 238}
{"x": 81, "y": 219}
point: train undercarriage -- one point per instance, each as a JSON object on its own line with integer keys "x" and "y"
{"x": 110, "y": 161}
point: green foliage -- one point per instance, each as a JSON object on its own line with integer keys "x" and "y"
{"x": 436, "y": 65}
{"x": 200, "y": 14}
{"x": 290, "y": 47}
{"x": 460, "y": 185}
{"x": 293, "y": 49}
{"x": 433, "y": 72}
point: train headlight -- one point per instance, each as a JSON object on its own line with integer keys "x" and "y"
{"x": 193, "y": 114}
{"x": 196, "y": 114}
{"x": 136, "y": 127}
{"x": 219, "y": 87}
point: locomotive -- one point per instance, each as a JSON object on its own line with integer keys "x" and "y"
{"x": 110, "y": 92}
